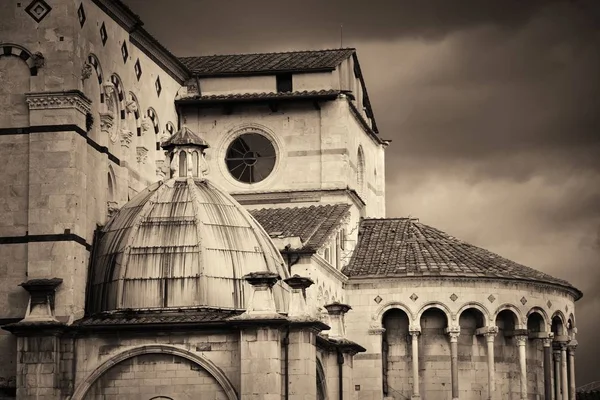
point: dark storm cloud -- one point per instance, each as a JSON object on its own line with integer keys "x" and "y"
{"x": 492, "y": 106}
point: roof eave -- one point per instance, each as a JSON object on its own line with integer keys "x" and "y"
{"x": 577, "y": 294}
{"x": 197, "y": 74}
{"x": 219, "y": 101}
{"x": 367, "y": 103}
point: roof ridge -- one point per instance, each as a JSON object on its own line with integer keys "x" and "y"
{"x": 300, "y": 207}
{"x": 272, "y": 52}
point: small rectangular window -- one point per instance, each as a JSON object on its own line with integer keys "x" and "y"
{"x": 284, "y": 83}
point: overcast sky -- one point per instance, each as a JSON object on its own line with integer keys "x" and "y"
{"x": 492, "y": 106}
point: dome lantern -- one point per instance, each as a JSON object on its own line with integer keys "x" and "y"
{"x": 185, "y": 152}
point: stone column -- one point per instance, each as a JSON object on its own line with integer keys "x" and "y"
{"x": 522, "y": 343}
{"x": 38, "y": 343}
{"x": 260, "y": 340}
{"x": 490, "y": 336}
{"x": 563, "y": 371}
{"x": 415, "y": 361}
{"x": 378, "y": 387}
{"x": 548, "y": 392}
{"x": 345, "y": 348}
{"x": 301, "y": 342}
{"x": 572, "y": 389}
{"x": 557, "y": 378}
{"x": 453, "y": 333}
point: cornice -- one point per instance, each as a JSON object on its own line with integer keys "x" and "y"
{"x": 59, "y": 100}
{"x": 295, "y": 196}
{"x": 120, "y": 13}
{"x": 542, "y": 285}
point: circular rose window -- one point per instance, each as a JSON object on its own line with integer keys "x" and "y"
{"x": 250, "y": 158}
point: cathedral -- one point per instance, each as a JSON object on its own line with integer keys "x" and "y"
{"x": 214, "y": 227}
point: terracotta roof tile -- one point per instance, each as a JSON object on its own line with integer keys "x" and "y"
{"x": 146, "y": 317}
{"x": 313, "y": 225}
{"x": 404, "y": 247}
{"x": 299, "y": 61}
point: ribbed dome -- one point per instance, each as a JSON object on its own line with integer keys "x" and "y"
{"x": 181, "y": 243}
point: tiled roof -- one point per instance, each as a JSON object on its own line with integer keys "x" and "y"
{"x": 403, "y": 247}
{"x": 241, "y": 97}
{"x": 293, "y": 61}
{"x": 313, "y": 225}
{"x": 206, "y": 315}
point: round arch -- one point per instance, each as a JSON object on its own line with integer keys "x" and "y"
{"x": 33, "y": 61}
{"x": 571, "y": 320}
{"x": 477, "y": 306}
{"x": 377, "y": 317}
{"x": 439, "y": 306}
{"x": 116, "y": 81}
{"x": 542, "y": 313}
{"x": 321, "y": 381}
{"x": 203, "y": 362}
{"x": 95, "y": 63}
{"x": 515, "y": 310}
{"x": 561, "y": 316}
{"x": 133, "y": 106}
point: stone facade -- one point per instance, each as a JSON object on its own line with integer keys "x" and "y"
{"x": 87, "y": 97}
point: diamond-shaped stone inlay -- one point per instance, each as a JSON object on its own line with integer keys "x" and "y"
{"x": 378, "y": 299}
{"x": 453, "y": 297}
{"x": 523, "y": 300}
{"x": 138, "y": 69}
{"x": 158, "y": 86}
{"x": 124, "y": 51}
{"x": 38, "y": 9}
{"x": 549, "y": 304}
{"x": 491, "y": 298}
{"x": 103, "y": 34}
{"x": 81, "y": 15}
{"x": 414, "y": 297}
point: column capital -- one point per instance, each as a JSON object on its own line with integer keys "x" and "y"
{"x": 376, "y": 331}
{"x": 547, "y": 342}
{"x": 414, "y": 332}
{"x": 453, "y": 332}
{"x": 521, "y": 340}
{"x": 572, "y": 345}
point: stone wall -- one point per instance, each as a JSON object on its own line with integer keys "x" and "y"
{"x": 317, "y": 149}
{"x": 219, "y": 347}
{"x": 476, "y": 304}
{"x": 150, "y": 375}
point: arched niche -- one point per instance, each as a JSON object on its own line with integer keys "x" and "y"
{"x": 396, "y": 351}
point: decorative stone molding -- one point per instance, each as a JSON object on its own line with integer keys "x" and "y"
{"x": 131, "y": 106}
{"x": 112, "y": 208}
{"x": 160, "y": 169}
{"x": 106, "y": 122}
{"x": 41, "y": 299}
{"x": 141, "y": 154}
{"x": 126, "y": 138}
{"x": 86, "y": 71}
{"x": 39, "y": 60}
{"x": 59, "y": 100}
{"x": 376, "y": 331}
{"x": 145, "y": 124}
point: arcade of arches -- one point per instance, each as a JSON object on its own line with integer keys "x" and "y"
{"x": 475, "y": 360}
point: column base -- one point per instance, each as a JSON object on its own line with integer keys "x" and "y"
{"x": 415, "y": 397}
